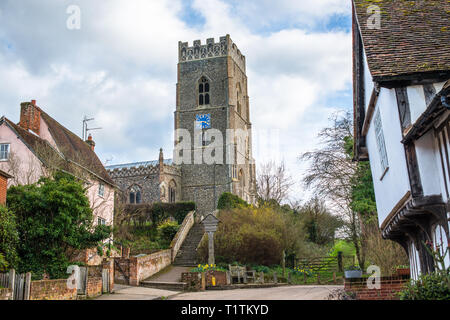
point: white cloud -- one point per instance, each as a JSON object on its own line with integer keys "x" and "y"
{"x": 121, "y": 67}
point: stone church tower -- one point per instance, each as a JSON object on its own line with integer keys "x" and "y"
{"x": 212, "y": 94}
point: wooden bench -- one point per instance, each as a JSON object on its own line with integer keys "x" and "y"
{"x": 238, "y": 273}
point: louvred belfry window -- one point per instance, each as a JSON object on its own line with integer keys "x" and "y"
{"x": 203, "y": 92}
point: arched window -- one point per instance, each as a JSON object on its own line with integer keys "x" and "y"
{"x": 172, "y": 191}
{"x": 135, "y": 195}
{"x": 203, "y": 92}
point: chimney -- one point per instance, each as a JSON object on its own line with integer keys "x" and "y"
{"x": 91, "y": 142}
{"x": 30, "y": 116}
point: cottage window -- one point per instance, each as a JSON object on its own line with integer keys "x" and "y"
{"x": 203, "y": 92}
{"x": 4, "y": 151}
{"x": 101, "y": 190}
{"x": 381, "y": 142}
{"x": 101, "y": 222}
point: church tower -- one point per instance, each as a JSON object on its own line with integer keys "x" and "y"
{"x": 212, "y": 97}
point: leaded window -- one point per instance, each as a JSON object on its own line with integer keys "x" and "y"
{"x": 381, "y": 142}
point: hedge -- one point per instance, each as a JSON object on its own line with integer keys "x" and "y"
{"x": 159, "y": 211}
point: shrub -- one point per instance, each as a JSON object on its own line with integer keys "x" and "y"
{"x": 3, "y": 263}
{"x": 383, "y": 253}
{"x": 230, "y": 201}
{"x": 253, "y": 236}
{"x": 53, "y": 216}
{"x": 346, "y": 247}
{"x": 9, "y": 238}
{"x": 167, "y": 230}
{"x": 428, "y": 287}
{"x": 158, "y": 212}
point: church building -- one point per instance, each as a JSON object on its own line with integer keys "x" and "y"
{"x": 211, "y": 98}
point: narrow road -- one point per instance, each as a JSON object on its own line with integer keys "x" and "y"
{"x": 276, "y": 293}
{"x": 122, "y": 292}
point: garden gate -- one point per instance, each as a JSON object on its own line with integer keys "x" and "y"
{"x": 19, "y": 283}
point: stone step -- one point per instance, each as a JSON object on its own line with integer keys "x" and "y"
{"x": 173, "y": 286}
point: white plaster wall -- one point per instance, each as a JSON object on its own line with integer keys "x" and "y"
{"x": 426, "y": 159}
{"x": 437, "y": 156}
{"x": 395, "y": 183}
{"x": 438, "y": 86}
{"x": 103, "y": 207}
{"x": 368, "y": 83}
{"x": 417, "y": 103}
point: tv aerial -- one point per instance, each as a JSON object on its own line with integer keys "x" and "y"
{"x": 86, "y": 129}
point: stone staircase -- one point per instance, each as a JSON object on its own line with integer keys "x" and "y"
{"x": 172, "y": 286}
{"x": 187, "y": 255}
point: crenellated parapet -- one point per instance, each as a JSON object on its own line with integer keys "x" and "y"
{"x": 133, "y": 171}
{"x": 225, "y": 47}
{"x": 143, "y": 168}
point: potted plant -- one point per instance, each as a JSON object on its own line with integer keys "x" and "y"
{"x": 353, "y": 272}
{"x": 402, "y": 271}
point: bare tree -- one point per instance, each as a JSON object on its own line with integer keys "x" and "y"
{"x": 331, "y": 173}
{"x": 273, "y": 182}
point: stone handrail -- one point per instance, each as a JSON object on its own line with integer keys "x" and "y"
{"x": 182, "y": 233}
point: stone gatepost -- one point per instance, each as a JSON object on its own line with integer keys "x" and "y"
{"x": 210, "y": 223}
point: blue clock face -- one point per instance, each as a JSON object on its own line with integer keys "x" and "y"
{"x": 203, "y": 121}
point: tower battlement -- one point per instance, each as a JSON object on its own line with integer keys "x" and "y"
{"x": 198, "y": 51}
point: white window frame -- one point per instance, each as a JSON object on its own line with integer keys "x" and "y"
{"x": 5, "y": 154}
{"x": 101, "y": 190}
{"x": 381, "y": 143}
{"x": 101, "y": 221}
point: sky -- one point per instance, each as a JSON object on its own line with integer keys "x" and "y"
{"x": 119, "y": 67}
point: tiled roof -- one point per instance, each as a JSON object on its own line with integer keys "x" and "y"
{"x": 414, "y": 36}
{"x": 138, "y": 164}
{"x": 70, "y": 146}
{"x": 75, "y": 149}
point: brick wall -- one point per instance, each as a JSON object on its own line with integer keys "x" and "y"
{"x": 193, "y": 281}
{"x": 196, "y": 281}
{"x": 94, "y": 287}
{"x": 221, "y": 278}
{"x": 390, "y": 286}
{"x": 137, "y": 269}
{"x": 51, "y": 290}
{"x": 3, "y": 187}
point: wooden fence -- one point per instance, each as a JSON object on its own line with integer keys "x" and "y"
{"x": 18, "y": 283}
{"x": 321, "y": 265}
